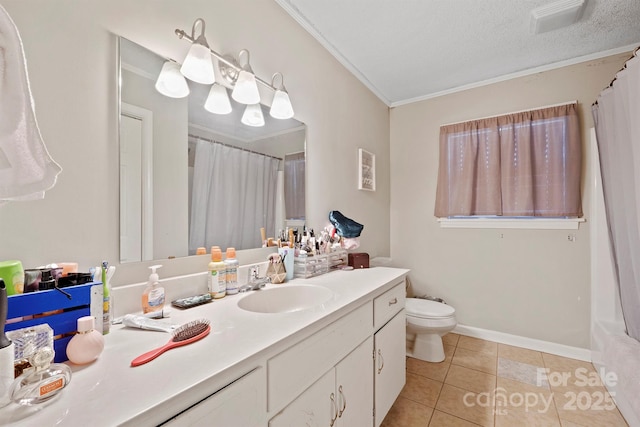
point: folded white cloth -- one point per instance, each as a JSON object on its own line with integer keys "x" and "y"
{"x": 26, "y": 168}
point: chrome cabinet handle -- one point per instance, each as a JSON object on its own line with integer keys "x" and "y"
{"x": 380, "y": 361}
{"x": 344, "y": 401}
{"x": 393, "y": 301}
{"x": 334, "y": 408}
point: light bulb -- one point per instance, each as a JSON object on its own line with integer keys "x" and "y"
{"x": 171, "y": 82}
{"x": 253, "y": 116}
{"x": 218, "y": 100}
{"x": 281, "y": 106}
{"x": 245, "y": 90}
{"x": 198, "y": 66}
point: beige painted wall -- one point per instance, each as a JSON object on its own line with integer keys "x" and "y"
{"x": 532, "y": 283}
{"x": 71, "y": 53}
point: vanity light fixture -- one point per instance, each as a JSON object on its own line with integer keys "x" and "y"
{"x": 197, "y": 66}
{"x": 171, "y": 82}
{"x": 281, "y": 105}
{"x": 218, "y": 100}
{"x": 253, "y": 116}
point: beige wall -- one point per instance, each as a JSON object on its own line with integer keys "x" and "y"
{"x": 532, "y": 283}
{"x": 71, "y": 53}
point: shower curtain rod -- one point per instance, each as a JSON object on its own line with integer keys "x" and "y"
{"x": 232, "y": 146}
{"x": 635, "y": 53}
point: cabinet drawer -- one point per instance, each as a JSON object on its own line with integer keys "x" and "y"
{"x": 388, "y": 304}
{"x": 292, "y": 371}
{"x": 240, "y": 404}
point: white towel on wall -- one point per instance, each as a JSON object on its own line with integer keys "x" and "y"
{"x": 26, "y": 168}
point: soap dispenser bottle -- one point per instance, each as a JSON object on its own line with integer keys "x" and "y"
{"x": 153, "y": 295}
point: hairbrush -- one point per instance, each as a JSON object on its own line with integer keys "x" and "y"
{"x": 185, "y": 334}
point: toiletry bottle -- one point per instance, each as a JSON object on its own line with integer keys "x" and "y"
{"x": 231, "y": 264}
{"x": 153, "y": 295}
{"x": 87, "y": 344}
{"x": 106, "y": 296}
{"x": 6, "y": 350}
{"x": 216, "y": 280}
{"x": 43, "y": 382}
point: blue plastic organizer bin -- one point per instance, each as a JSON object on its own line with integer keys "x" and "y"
{"x": 85, "y": 300}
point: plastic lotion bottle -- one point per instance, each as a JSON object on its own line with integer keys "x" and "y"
{"x": 153, "y": 295}
{"x": 231, "y": 264}
{"x": 216, "y": 280}
{"x": 106, "y": 300}
{"x": 87, "y": 344}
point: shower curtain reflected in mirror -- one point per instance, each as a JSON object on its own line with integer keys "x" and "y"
{"x": 233, "y": 196}
{"x": 294, "y": 185}
{"x": 617, "y": 117}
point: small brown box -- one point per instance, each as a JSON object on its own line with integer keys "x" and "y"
{"x": 359, "y": 260}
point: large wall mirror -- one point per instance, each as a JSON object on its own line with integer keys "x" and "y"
{"x": 190, "y": 178}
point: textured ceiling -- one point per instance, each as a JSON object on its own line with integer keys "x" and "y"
{"x": 407, "y": 50}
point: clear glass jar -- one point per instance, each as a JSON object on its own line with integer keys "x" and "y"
{"x": 42, "y": 382}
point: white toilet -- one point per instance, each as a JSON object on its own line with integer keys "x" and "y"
{"x": 428, "y": 321}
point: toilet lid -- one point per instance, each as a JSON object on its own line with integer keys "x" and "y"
{"x": 428, "y": 309}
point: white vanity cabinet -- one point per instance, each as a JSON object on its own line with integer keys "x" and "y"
{"x": 339, "y": 363}
{"x": 339, "y": 398}
{"x": 390, "y": 353}
{"x": 324, "y": 380}
{"x": 240, "y": 404}
{"x": 294, "y": 370}
{"x": 353, "y": 381}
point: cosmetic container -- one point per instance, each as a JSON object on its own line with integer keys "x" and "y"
{"x": 6, "y": 350}
{"x": 231, "y": 268}
{"x": 26, "y": 342}
{"x": 41, "y": 383}
{"x": 87, "y": 344}
{"x": 216, "y": 274}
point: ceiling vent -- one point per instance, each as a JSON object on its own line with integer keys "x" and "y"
{"x": 556, "y": 15}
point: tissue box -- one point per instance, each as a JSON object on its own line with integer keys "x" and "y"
{"x": 27, "y": 341}
{"x": 54, "y": 308}
{"x": 359, "y": 260}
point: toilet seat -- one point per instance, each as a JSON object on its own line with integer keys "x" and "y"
{"x": 426, "y": 309}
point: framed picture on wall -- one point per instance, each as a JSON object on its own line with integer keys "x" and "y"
{"x": 366, "y": 170}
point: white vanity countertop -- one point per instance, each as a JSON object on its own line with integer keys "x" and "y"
{"x": 109, "y": 392}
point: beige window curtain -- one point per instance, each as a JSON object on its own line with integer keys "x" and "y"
{"x": 522, "y": 164}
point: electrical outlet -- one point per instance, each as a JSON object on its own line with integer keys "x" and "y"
{"x": 571, "y": 237}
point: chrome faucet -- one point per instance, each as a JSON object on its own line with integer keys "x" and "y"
{"x": 254, "y": 282}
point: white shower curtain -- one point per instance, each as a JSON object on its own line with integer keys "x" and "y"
{"x": 617, "y": 117}
{"x": 233, "y": 196}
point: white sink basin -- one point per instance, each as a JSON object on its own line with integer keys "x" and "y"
{"x": 286, "y": 299}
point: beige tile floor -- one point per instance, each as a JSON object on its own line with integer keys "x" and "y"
{"x": 489, "y": 384}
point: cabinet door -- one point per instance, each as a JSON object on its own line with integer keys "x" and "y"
{"x": 354, "y": 386}
{"x": 390, "y": 374}
{"x": 240, "y": 404}
{"x": 315, "y": 407}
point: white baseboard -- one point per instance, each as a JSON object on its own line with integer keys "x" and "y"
{"x": 530, "y": 343}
